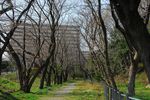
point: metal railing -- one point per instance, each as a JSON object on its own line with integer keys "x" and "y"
{"x": 113, "y": 94}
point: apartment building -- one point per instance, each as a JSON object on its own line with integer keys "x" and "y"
{"x": 30, "y": 40}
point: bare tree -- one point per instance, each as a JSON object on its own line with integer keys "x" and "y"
{"x": 96, "y": 38}
{"x": 25, "y": 56}
{"x": 55, "y": 9}
{"x": 15, "y": 22}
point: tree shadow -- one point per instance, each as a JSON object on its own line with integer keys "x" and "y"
{"x": 6, "y": 96}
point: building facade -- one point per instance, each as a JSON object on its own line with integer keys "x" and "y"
{"x": 31, "y": 40}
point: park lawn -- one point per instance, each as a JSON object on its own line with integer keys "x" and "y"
{"x": 141, "y": 91}
{"x": 141, "y": 82}
{"x": 9, "y": 90}
{"x": 9, "y": 83}
{"x": 85, "y": 90}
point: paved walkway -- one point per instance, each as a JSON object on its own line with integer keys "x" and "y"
{"x": 65, "y": 90}
{"x": 60, "y": 94}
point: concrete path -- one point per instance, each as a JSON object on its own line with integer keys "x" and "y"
{"x": 65, "y": 90}
{"x": 60, "y": 94}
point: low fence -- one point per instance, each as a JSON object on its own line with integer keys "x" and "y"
{"x": 113, "y": 94}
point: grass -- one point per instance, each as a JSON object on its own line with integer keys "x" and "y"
{"x": 25, "y": 96}
{"x": 9, "y": 89}
{"x": 85, "y": 90}
{"x": 140, "y": 86}
{"x": 7, "y": 85}
{"x": 141, "y": 91}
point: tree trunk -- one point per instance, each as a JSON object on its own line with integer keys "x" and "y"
{"x": 55, "y": 78}
{"x": 132, "y": 74}
{"x": 135, "y": 28}
{"x": 25, "y": 88}
{"x": 43, "y": 77}
{"x": 61, "y": 77}
{"x": 65, "y": 76}
{"x": 18, "y": 64}
{"x": 48, "y": 83}
{"x": 45, "y": 70}
{"x": 141, "y": 39}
